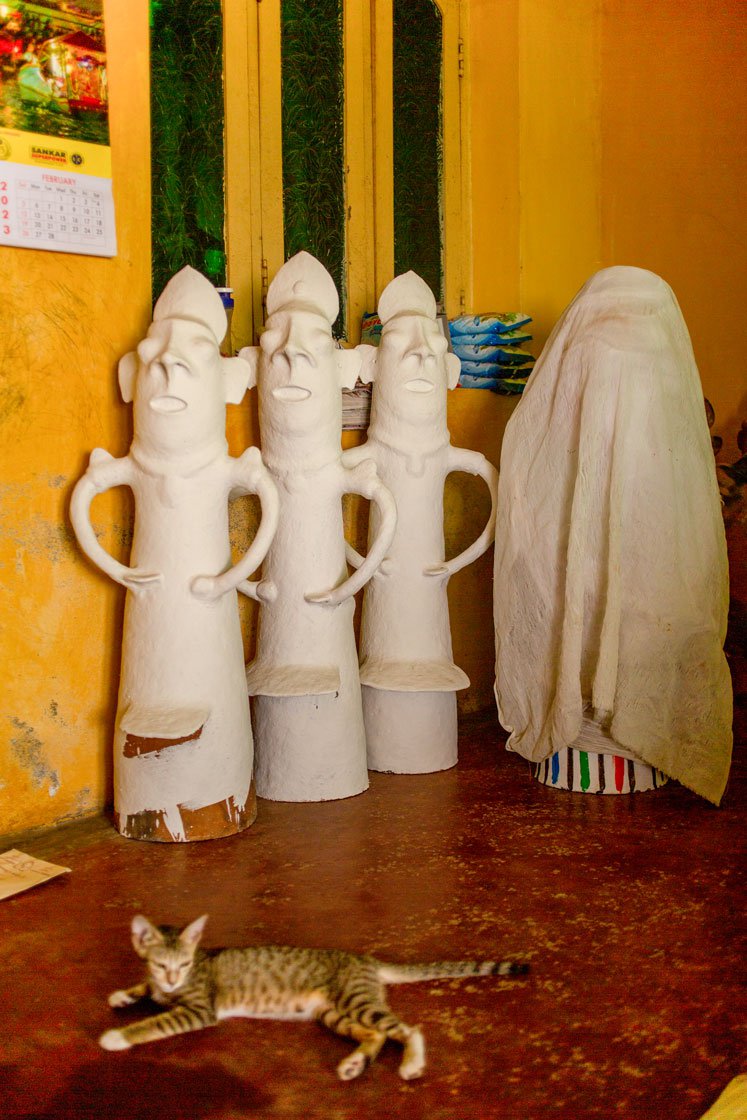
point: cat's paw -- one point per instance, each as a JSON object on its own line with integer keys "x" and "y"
{"x": 413, "y": 1063}
{"x": 120, "y": 998}
{"x": 114, "y": 1040}
{"x": 352, "y": 1066}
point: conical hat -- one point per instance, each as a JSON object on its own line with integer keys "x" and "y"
{"x": 407, "y": 294}
{"x": 303, "y": 284}
{"x": 190, "y": 295}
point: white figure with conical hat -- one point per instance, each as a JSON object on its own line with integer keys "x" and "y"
{"x": 408, "y": 676}
{"x": 183, "y": 743}
{"x": 308, "y": 720}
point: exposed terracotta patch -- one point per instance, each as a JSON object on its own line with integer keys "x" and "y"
{"x": 148, "y": 825}
{"x": 145, "y": 744}
{"x": 210, "y": 822}
{"x": 220, "y": 819}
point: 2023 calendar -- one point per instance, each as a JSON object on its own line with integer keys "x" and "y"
{"x": 55, "y": 158}
{"x": 43, "y": 209}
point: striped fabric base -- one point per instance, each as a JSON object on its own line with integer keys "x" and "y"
{"x": 589, "y": 772}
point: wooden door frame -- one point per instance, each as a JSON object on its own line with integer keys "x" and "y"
{"x": 254, "y": 169}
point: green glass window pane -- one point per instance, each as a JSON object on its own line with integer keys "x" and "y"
{"x": 313, "y": 135}
{"x": 418, "y": 141}
{"x": 187, "y": 122}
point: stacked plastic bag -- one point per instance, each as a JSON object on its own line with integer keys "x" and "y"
{"x": 371, "y": 328}
{"x": 491, "y": 352}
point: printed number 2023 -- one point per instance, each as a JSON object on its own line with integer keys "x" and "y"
{"x": 4, "y": 203}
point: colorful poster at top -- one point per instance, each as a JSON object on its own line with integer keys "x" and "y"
{"x": 55, "y": 158}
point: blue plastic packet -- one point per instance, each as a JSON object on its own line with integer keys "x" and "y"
{"x": 492, "y": 338}
{"x": 513, "y": 356}
{"x": 467, "y": 381}
{"x": 508, "y": 386}
{"x": 482, "y": 369}
{"x": 497, "y": 366}
{"x": 495, "y": 323}
{"x": 510, "y": 338}
{"x": 499, "y": 354}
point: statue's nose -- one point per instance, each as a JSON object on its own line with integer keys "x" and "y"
{"x": 149, "y": 349}
{"x": 422, "y": 353}
{"x": 160, "y": 359}
{"x": 296, "y": 353}
{"x": 300, "y": 362}
{"x": 295, "y": 385}
{"x": 421, "y": 348}
{"x": 173, "y": 366}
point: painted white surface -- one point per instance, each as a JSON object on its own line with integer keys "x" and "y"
{"x": 182, "y": 654}
{"x": 308, "y": 720}
{"x": 611, "y": 579}
{"x": 407, "y": 671}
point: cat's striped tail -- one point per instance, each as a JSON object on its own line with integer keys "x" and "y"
{"x": 443, "y": 970}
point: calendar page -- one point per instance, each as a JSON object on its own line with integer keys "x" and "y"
{"x": 46, "y": 210}
{"x": 55, "y": 158}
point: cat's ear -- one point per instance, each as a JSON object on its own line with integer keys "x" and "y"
{"x": 192, "y": 933}
{"x": 144, "y": 935}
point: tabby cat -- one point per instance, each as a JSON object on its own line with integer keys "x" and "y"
{"x": 343, "y": 991}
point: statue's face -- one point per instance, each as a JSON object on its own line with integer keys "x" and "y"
{"x": 299, "y": 380}
{"x": 411, "y": 366}
{"x": 179, "y": 390}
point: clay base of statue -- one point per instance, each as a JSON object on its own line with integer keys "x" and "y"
{"x": 211, "y": 822}
{"x": 410, "y": 732}
{"x": 309, "y": 748}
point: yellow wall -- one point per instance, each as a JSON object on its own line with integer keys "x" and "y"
{"x": 673, "y": 163}
{"x": 66, "y": 321}
{"x": 614, "y": 133}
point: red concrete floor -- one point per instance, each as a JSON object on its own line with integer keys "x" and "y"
{"x": 630, "y": 909}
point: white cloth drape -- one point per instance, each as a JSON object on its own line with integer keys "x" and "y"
{"x": 611, "y": 580}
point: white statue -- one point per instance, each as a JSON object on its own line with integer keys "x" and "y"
{"x": 183, "y": 741}
{"x": 611, "y": 586}
{"x": 310, "y": 739}
{"x": 409, "y": 678}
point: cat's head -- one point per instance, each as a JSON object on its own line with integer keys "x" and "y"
{"x": 168, "y": 952}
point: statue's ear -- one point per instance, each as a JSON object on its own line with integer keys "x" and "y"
{"x": 369, "y": 355}
{"x": 348, "y": 367}
{"x": 238, "y": 376}
{"x": 126, "y": 371}
{"x": 250, "y": 355}
{"x": 453, "y": 369}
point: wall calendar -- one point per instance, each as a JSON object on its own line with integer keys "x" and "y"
{"x": 55, "y": 158}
